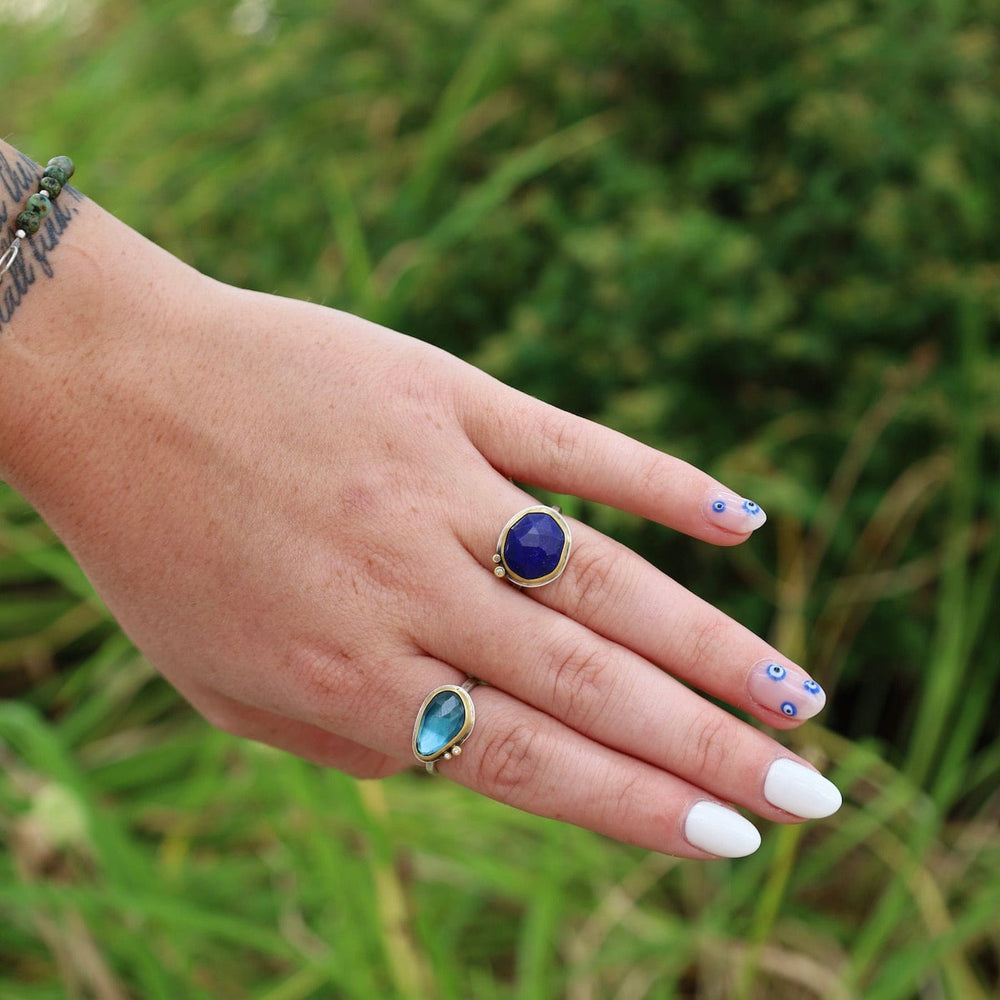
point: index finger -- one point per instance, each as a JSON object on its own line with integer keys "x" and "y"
{"x": 533, "y": 442}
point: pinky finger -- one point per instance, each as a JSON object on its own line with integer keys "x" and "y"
{"x": 527, "y": 759}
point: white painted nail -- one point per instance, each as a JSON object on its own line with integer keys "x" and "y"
{"x": 717, "y": 830}
{"x": 800, "y": 790}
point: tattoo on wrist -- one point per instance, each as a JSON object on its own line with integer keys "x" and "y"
{"x": 18, "y": 179}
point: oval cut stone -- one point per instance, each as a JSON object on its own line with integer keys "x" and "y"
{"x": 534, "y": 546}
{"x": 440, "y": 724}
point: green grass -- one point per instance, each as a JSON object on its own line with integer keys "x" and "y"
{"x": 761, "y": 236}
{"x": 155, "y": 858}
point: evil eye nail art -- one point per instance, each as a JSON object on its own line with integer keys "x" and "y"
{"x": 785, "y": 689}
{"x": 733, "y": 513}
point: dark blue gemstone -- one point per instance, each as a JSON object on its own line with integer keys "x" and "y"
{"x": 534, "y": 546}
{"x": 440, "y": 724}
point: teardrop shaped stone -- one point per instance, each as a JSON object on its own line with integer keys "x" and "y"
{"x": 441, "y": 722}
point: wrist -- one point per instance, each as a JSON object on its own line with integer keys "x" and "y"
{"x": 86, "y": 297}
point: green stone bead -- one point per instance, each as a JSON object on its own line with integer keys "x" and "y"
{"x": 39, "y": 203}
{"x": 51, "y": 185}
{"x": 29, "y": 221}
{"x": 65, "y": 164}
{"x": 54, "y": 170}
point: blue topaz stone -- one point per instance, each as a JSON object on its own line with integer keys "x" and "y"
{"x": 533, "y": 547}
{"x": 444, "y": 722}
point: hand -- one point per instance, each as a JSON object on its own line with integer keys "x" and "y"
{"x": 292, "y": 512}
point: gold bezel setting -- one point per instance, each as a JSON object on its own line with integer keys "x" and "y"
{"x": 502, "y": 569}
{"x": 453, "y": 748}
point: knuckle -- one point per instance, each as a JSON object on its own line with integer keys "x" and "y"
{"x": 580, "y": 682}
{"x": 705, "y": 639}
{"x": 710, "y": 750}
{"x": 508, "y": 761}
{"x": 328, "y": 685}
{"x": 625, "y": 801}
{"x": 593, "y": 580}
{"x": 654, "y": 473}
{"x": 317, "y": 671}
{"x": 561, "y": 444}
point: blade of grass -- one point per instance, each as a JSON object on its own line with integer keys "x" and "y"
{"x": 411, "y": 973}
{"x": 540, "y": 925}
{"x": 902, "y": 970}
{"x": 335, "y": 868}
{"x": 349, "y": 234}
{"x": 895, "y": 906}
{"x": 173, "y": 912}
{"x": 36, "y": 546}
{"x": 114, "y": 674}
{"x": 23, "y": 729}
{"x": 974, "y": 710}
{"x": 466, "y": 84}
{"x": 401, "y": 269}
{"x": 768, "y": 908}
{"x": 947, "y": 663}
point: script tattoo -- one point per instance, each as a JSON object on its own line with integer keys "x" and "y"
{"x": 19, "y": 179}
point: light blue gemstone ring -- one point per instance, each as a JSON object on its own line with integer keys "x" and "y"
{"x": 533, "y": 547}
{"x": 444, "y": 722}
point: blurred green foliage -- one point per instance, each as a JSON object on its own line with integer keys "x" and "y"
{"x": 759, "y": 235}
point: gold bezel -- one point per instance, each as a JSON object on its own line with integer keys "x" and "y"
{"x": 563, "y": 558}
{"x": 464, "y": 732}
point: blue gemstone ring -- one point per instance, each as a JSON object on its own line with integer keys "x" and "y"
{"x": 444, "y": 723}
{"x": 533, "y": 547}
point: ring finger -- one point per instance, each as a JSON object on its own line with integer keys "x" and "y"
{"x": 515, "y": 754}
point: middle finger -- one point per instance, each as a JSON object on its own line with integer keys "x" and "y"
{"x": 624, "y": 700}
{"x": 613, "y": 592}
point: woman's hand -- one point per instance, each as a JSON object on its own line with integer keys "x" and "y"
{"x": 293, "y": 513}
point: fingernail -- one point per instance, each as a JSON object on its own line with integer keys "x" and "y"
{"x": 717, "y": 830}
{"x": 785, "y": 689}
{"x": 800, "y": 790}
{"x": 733, "y": 513}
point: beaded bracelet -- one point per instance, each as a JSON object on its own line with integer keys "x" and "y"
{"x": 37, "y": 208}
